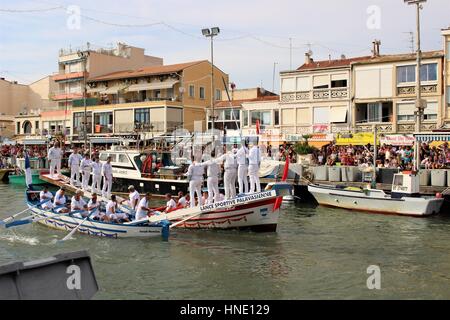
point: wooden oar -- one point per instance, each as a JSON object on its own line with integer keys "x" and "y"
{"x": 28, "y": 221}
{"x": 187, "y": 219}
{"x": 9, "y": 219}
{"x": 78, "y": 227}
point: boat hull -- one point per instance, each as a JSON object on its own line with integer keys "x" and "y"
{"x": 93, "y": 228}
{"x": 355, "y": 200}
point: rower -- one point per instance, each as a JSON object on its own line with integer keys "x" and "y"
{"x": 94, "y": 204}
{"x": 195, "y": 177}
{"x": 254, "y": 158}
{"x": 74, "y": 165}
{"x": 143, "y": 209}
{"x": 107, "y": 178}
{"x": 134, "y": 196}
{"x": 55, "y": 157}
{"x": 60, "y": 201}
{"x": 78, "y": 204}
{"x": 182, "y": 202}
{"x": 86, "y": 168}
{"x": 113, "y": 214}
{"x": 96, "y": 175}
{"x": 242, "y": 161}
{"x": 171, "y": 204}
{"x": 46, "y": 195}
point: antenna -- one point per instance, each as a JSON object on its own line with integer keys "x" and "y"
{"x": 411, "y": 40}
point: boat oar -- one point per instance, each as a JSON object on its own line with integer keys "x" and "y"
{"x": 32, "y": 220}
{"x": 185, "y": 220}
{"x": 9, "y": 219}
{"x": 69, "y": 236}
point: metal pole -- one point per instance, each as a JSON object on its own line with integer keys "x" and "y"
{"x": 274, "y": 71}
{"x": 375, "y": 151}
{"x": 212, "y": 84}
{"x": 418, "y": 73}
{"x": 84, "y": 102}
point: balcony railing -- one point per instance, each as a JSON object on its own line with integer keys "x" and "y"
{"x": 381, "y": 127}
{"x": 411, "y": 90}
{"x": 318, "y": 94}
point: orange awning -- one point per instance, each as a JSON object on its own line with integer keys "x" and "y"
{"x": 318, "y": 144}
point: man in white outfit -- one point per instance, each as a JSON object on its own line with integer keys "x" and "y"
{"x": 213, "y": 172}
{"x": 107, "y": 178}
{"x": 254, "y": 158}
{"x": 55, "y": 157}
{"x": 242, "y": 160}
{"x": 74, "y": 165}
{"x": 229, "y": 179}
{"x": 86, "y": 168}
{"x": 96, "y": 175}
{"x": 195, "y": 177}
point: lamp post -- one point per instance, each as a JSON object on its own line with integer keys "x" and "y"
{"x": 84, "y": 57}
{"x": 419, "y": 103}
{"x": 211, "y": 33}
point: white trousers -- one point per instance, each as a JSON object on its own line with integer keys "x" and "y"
{"x": 213, "y": 189}
{"x": 74, "y": 175}
{"x": 242, "y": 178}
{"x": 96, "y": 183}
{"x": 55, "y": 163}
{"x": 253, "y": 172}
{"x": 229, "y": 181}
{"x": 107, "y": 187}
{"x": 28, "y": 177}
{"x": 195, "y": 186}
{"x": 85, "y": 179}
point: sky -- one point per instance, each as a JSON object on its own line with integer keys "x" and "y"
{"x": 256, "y": 35}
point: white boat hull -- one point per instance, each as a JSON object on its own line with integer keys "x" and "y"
{"x": 94, "y": 228}
{"x": 355, "y": 200}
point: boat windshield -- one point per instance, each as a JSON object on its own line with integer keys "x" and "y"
{"x": 138, "y": 162}
{"x": 398, "y": 180}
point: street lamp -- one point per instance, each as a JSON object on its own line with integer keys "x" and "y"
{"x": 84, "y": 57}
{"x": 419, "y": 103}
{"x": 211, "y": 33}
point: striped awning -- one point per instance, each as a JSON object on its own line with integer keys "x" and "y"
{"x": 430, "y": 137}
{"x": 114, "y": 90}
{"x": 151, "y": 86}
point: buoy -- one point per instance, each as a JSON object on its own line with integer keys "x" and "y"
{"x": 439, "y": 195}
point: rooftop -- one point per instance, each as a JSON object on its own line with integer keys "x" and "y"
{"x": 400, "y": 57}
{"x": 330, "y": 64}
{"x": 147, "y": 71}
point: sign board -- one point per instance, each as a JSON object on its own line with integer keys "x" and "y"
{"x": 357, "y": 139}
{"x": 398, "y": 139}
{"x": 321, "y": 128}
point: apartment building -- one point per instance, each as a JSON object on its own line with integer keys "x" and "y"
{"x": 384, "y": 92}
{"x": 316, "y": 97}
{"x": 74, "y": 69}
{"x": 446, "y": 100}
{"x": 151, "y": 100}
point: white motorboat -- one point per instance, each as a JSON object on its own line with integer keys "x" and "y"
{"x": 404, "y": 199}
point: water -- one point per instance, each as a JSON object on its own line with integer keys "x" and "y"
{"x": 317, "y": 253}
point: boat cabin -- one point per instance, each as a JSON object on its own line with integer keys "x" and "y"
{"x": 406, "y": 184}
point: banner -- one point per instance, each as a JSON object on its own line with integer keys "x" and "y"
{"x": 398, "y": 140}
{"x": 357, "y": 139}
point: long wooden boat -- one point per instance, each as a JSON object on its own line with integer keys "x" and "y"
{"x": 97, "y": 228}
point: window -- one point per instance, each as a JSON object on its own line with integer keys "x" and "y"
{"x": 264, "y": 117}
{"x": 245, "y": 116}
{"x": 322, "y": 115}
{"x": 103, "y": 122}
{"x": 276, "y": 118}
{"x": 123, "y": 158}
{"x": 428, "y": 72}
{"x": 18, "y": 128}
{"x": 374, "y": 112}
{"x": 103, "y": 156}
{"x": 27, "y": 127}
{"x": 218, "y": 95}
{"x": 202, "y": 93}
{"x": 78, "y": 121}
{"x": 406, "y": 74}
{"x": 36, "y": 125}
{"x": 192, "y": 91}
{"x": 405, "y": 111}
{"x": 398, "y": 180}
{"x": 113, "y": 157}
{"x": 142, "y": 116}
{"x": 448, "y": 96}
{"x": 339, "y": 84}
{"x": 430, "y": 112}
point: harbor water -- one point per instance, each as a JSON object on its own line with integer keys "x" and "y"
{"x": 317, "y": 253}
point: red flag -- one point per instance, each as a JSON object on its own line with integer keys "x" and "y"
{"x": 283, "y": 179}
{"x": 258, "y": 127}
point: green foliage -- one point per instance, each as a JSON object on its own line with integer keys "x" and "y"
{"x": 304, "y": 148}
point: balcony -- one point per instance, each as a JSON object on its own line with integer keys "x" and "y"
{"x": 381, "y": 127}
{"x": 411, "y": 90}
{"x": 64, "y": 95}
{"x": 69, "y": 76}
{"x": 317, "y": 94}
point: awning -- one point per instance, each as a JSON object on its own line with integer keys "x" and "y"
{"x": 113, "y": 90}
{"x": 151, "y": 86}
{"x": 356, "y": 139}
{"x": 430, "y": 137}
{"x": 104, "y": 140}
{"x": 34, "y": 142}
{"x": 338, "y": 114}
{"x": 96, "y": 90}
{"x": 318, "y": 144}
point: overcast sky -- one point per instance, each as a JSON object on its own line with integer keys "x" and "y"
{"x": 255, "y": 33}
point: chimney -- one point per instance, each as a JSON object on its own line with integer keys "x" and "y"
{"x": 376, "y": 48}
{"x": 308, "y": 58}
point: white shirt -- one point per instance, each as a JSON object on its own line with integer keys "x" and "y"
{"x": 171, "y": 204}
{"x": 241, "y": 156}
{"x": 134, "y": 196}
{"x": 45, "y": 196}
{"x": 196, "y": 171}
{"x": 59, "y": 200}
{"x": 54, "y": 153}
{"x": 96, "y": 168}
{"x": 77, "y": 204}
{"x": 86, "y": 165}
{"x": 74, "y": 160}
{"x": 107, "y": 169}
{"x": 110, "y": 206}
{"x": 182, "y": 201}
{"x": 254, "y": 156}
{"x": 93, "y": 205}
{"x": 213, "y": 169}
{"x": 230, "y": 161}
{"x": 142, "y": 204}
